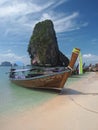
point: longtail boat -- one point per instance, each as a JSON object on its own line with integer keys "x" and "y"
{"x": 53, "y": 79}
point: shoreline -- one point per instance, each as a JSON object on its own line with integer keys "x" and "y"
{"x": 75, "y": 109}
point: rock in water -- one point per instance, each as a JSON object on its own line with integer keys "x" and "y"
{"x": 43, "y": 47}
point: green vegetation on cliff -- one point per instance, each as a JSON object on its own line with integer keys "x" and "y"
{"x": 43, "y": 47}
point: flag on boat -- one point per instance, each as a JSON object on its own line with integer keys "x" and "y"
{"x": 80, "y": 64}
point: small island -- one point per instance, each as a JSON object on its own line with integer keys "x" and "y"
{"x": 7, "y": 63}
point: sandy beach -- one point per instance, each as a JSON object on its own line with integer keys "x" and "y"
{"x": 75, "y": 109}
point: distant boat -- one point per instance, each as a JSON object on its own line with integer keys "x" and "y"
{"x": 54, "y": 78}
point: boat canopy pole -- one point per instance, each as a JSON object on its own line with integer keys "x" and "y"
{"x": 74, "y": 57}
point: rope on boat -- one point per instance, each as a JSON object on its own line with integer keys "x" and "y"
{"x": 70, "y": 68}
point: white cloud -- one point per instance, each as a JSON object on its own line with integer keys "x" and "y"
{"x": 12, "y": 57}
{"x": 94, "y": 42}
{"x": 58, "y": 2}
{"x": 21, "y": 16}
{"x": 17, "y": 7}
{"x": 45, "y": 16}
{"x": 85, "y": 24}
{"x": 87, "y": 55}
{"x": 66, "y": 23}
{"x": 63, "y": 22}
{"x": 3, "y": 1}
{"x": 90, "y": 58}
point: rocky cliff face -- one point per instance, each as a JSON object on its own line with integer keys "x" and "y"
{"x": 43, "y": 47}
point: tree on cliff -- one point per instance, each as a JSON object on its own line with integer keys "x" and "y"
{"x": 43, "y": 47}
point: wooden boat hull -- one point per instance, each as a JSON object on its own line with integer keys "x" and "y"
{"x": 46, "y": 81}
{"x": 54, "y": 80}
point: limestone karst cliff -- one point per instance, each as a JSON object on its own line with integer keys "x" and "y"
{"x": 43, "y": 46}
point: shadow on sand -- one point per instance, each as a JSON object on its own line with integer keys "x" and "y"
{"x": 64, "y": 91}
{"x": 68, "y": 91}
{"x": 50, "y": 90}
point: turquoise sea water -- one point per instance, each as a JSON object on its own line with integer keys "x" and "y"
{"x": 15, "y": 99}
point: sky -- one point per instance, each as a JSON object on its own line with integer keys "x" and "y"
{"x": 75, "y": 23}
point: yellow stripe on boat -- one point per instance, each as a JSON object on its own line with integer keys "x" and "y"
{"x": 76, "y": 50}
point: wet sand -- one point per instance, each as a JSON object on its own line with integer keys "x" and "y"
{"x": 75, "y": 109}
